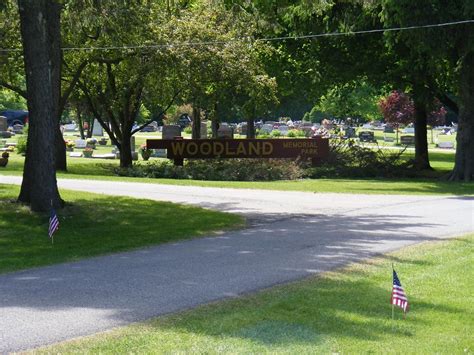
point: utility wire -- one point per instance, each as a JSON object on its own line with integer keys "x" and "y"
{"x": 267, "y": 39}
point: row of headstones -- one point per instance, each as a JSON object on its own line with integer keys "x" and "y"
{"x": 172, "y": 131}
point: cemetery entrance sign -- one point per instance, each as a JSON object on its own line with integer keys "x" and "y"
{"x": 179, "y": 149}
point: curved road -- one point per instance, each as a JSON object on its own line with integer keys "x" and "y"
{"x": 291, "y": 235}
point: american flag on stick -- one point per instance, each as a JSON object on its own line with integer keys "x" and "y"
{"x": 399, "y": 298}
{"x": 53, "y": 223}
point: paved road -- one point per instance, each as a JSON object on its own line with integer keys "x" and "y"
{"x": 291, "y": 235}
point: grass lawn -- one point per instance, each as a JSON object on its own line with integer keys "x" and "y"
{"x": 346, "y": 311}
{"x": 94, "y": 224}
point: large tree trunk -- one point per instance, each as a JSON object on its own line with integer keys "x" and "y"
{"x": 196, "y": 134}
{"x": 59, "y": 149}
{"x": 125, "y": 147}
{"x": 464, "y": 161}
{"x": 422, "y": 160}
{"x": 41, "y": 48}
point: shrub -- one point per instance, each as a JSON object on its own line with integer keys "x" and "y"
{"x": 349, "y": 160}
{"x": 21, "y": 144}
{"x": 219, "y": 170}
{"x": 188, "y": 130}
{"x": 276, "y": 133}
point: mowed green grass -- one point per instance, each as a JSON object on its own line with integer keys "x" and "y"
{"x": 96, "y": 169}
{"x": 343, "y": 312}
{"x": 92, "y": 224}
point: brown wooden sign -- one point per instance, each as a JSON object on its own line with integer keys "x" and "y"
{"x": 314, "y": 148}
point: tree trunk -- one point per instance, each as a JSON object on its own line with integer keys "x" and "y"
{"x": 250, "y": 128}
{"x": 126, "y": 150}
{"x": 80, "y": 122}
{"x": 464, "y": 160}
{"x": 60, "y": 150}
{"x": 422, "y": 160}
{"x": 215, "y": 121}
{"x": 39, "y": 24}
{"x": 196, "y": 134}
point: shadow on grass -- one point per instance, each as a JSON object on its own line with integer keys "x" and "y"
{"x": 98, "y": 225}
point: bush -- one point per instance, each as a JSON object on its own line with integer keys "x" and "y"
{"x": 21, "y": 144}
{"x": 349, "y": 160}
{"x": 219, "y": 170}
{"x": 276, "y": 133}
{"x": 188, "y": 130}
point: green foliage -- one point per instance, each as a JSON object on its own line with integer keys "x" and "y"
{"x": 356, "y": 100}
{"x": 11, "y": 100}
{"x": 219, "y": 170}
{"x": 188, "y": 130}
{"x": 276, "y": 133}
{"x": 347, "y": 159}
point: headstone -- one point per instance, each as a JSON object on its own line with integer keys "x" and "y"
{"x": 171, "y": 131}
{"x": 132, "y": 144}
{"x": 446, "y": 145}
{"x": 366, "y": 136}
{"x": 203, "y": 130}
{"x": 284, "y": 130}
{"x": 388, "y": 139}
{"x": 104, "y": 156}
{"x": 350, "y": 132}
{"x": 407, "y": 140}
{"x": 243, "y": 129}
{"x": 3, "y": 124}
{"x": 80, "y": 143}
{"x": 388, "y": 129}
{"x": 409, "y": 130}
{"x": 75, "y": 155}
{"x": 159, "y": 153}
{"x": 97, "y": 130}
{"x": 266, "y": 128}
{"x": 5, "y": 134}
{"x": 225, "y": 132}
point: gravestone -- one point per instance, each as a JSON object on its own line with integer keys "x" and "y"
{"x": 266, "y": 128}
{"x": 3, "y": 124}
{"x": 18, "y": 129}
{"x": 284, "y": 130}
{"x": 132, "y": 144}
{"x": 350, "y": 132}
{"x": 171, "y": 131}
{"x": 97, "y": 130}
{"x": 80, "y": 143}
{"x": 388, "y": 129}
{"x": 225, "y": 132}
{"x": 159, "y": 153}
{"x": 388, "y": 139}
{"x": 366, "y": 136}
{"x": 407, "y": 140}
{"x": 446, "y": 145}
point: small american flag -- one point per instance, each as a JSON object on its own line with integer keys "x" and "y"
{"x": 399, "y": 298}
{"x": 53, "y": 223}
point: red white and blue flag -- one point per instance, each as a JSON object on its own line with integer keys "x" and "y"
{"x": 399, "y": 298}
{"x": 53, "y": 223}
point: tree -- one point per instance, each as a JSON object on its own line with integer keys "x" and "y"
{"x": 40, "y": 32}
{"x": 455, "y": 56}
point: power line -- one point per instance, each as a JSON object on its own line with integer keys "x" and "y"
{"x": 267, "y": 39}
